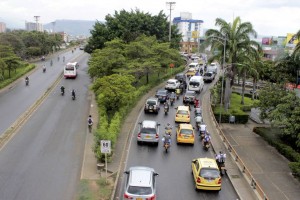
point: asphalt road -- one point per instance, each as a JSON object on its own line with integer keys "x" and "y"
{"x": 43, "y": 160}
{"x": 175, "y": 180}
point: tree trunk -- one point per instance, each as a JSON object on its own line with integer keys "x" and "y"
{"x": 227, "y": 93}
{"x": 254, "y": 87}
{"x": 243, "y": 88}
{"x": 147, "y": 77}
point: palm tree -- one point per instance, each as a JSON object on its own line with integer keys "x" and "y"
{"x": 236, "y": 38}
{"x": 296, "y": 51}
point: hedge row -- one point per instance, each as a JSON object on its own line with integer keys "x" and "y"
{"x": 241, "y": 118}
{"x": 283, "y": 149}
{"x": 109, "y": 130}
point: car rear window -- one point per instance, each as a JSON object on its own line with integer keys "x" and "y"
{"x": 182, "y": 112}
{"x": 139, "y": 190}
{"x": 161, "y": 93}
{"x": 171, "y": 83}
{"x": 186, "y": 131}
{"x": 151, "y": 103}
{"x": 148, "y": 130}
{"x": 208, "y": 74}
{"x": 209, "y": 173}
{"x": 194, "y": 83}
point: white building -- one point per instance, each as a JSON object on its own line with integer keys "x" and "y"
{"x": 188, "y": 27}
{"x": 2, "y": 27}
{"x": 32, "y": 26}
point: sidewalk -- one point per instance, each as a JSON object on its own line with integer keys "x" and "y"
{"x": 269, "y": 169}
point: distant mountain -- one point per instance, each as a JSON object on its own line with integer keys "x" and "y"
{"x": 71, "y": 27}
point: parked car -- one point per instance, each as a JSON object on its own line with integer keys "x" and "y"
{"x": 189, "y": 97}
{"x": 140, "y": 183}
{"x": 206, "y": 174}
{"x": 148, "y": 132}
{"x": 172, "y": 84}
{"x": 162, "y": 95}
{"x": 209, "y": 76}
{"x": 152, "y": 105}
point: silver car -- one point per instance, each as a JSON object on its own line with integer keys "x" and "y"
{"x": 148, "y": 132}
{"x": 140, "y": 183}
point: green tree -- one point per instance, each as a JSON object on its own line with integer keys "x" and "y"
{"x": 3, "y": 66}
{"x": 114, "y": 91}
{"x": 285, "y": 69}
{"x": 236, "y": 36}
{"x": 15, "y": 41}
{"x": 130, "y": 25}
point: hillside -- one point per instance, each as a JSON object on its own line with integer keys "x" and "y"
{"x": 72, "y": 27}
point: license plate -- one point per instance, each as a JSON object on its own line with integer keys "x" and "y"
{"x": 148, "y": 137}
{"x": 186, "y": 137}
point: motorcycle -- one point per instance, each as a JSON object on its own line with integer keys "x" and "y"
{"x": 73, "y": 97}
{"x": 166, "y": 146}
{"x": 26, "y": 82}
{"x": 166, "y": 109}
{"x": 172, "y": 101}
{"x": 221, "y": 166}
{"x": 44, "y": 70}
{"x": 62, "y": 92}
{"x": 206, "y": 145}
{"x": 202, "y": 134}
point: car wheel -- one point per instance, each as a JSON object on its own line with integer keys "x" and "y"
{"x": 145, "y": 111}
{"x": 139, "y": 142}
{"x": 196, "y": 189}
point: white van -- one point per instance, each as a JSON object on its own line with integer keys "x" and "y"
{"x": 194, "y": 65}
{"x": 196, "y": 84}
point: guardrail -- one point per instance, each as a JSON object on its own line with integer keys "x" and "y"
{"x": 245, "y": 171}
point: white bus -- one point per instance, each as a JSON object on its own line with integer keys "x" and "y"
{"x": 70, "y": 70}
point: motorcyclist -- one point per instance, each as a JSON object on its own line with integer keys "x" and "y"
{"x": 199, "y": 119}
{"x": 196, "y": 103}
{"x": 44, "y": 68}
{"x": 58, "y": 58}
{"x": 201, "y": 71}
{"x": 73, "y": 94}
{"x": 178, "y": 92}
{"x": 64, "y": 58}
{"x": 198, "y": 111}
{"x": 202, "y": 129}
{"x": 206, "y": 139}
{"x": 166, "y": 105}
{"x": 26, "y": 80}
{"x": 90, "y": 123}
{"x": 62, "y": 89}
{"x": 51, "y": 62}
{"x": 220, "y": 159}
{"x": 168, "y": 128}
{"x": 172, "y": 97}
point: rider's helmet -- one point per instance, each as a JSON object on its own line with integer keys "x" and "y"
{"x": 90, "y": 115}
{"x": 168, "y": 124}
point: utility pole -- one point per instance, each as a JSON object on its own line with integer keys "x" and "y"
{"x": 170, "y": 6}
{"x": 37, "y": 18}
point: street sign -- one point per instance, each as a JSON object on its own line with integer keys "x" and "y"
{"x": 105, "y": 146}
{"x": 172, "y": 65}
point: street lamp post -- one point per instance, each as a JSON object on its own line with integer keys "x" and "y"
{"x": 170, "y": 4}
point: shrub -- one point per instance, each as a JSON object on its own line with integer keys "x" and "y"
{"x": 295, "y": 167}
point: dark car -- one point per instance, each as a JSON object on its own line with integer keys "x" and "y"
{"x": 189, "y": 97}
{"x": 162, "y": 95}
{"x": 152, "y": 105}
{"x": 181, "y": 77}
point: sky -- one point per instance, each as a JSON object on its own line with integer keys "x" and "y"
{"x": 269, "y": 18}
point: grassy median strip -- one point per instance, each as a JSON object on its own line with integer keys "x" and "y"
{"x": 96, "y": 189}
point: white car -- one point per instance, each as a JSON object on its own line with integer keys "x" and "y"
{"x": 172, "y": 84}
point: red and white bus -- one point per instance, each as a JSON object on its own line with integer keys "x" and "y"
{"x": 70, "y": 70}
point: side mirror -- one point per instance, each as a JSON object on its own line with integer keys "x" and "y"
{"x": 194, "y": 161}
{"x": 158, "y": 124}
{"x": 155, "y": 174}
{"x": 126, "y": 172}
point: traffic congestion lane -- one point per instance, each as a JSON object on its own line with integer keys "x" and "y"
{"x": 175, "y": 179}
{"x": 43, "y": 160}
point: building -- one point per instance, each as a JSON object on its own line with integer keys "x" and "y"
{"x": 32, "y": 26}
{"x": 2, "y": 27}
{"x": 190, "y": 30}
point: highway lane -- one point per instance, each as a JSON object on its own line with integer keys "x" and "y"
{"x": 175, "y": 180}
{"x": 17, "y": 99}
{"x": 43, "y": 160}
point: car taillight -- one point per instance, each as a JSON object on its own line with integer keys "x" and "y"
{"x": 180, "y": 134}
{"x": 219, "y": 181}
{"x": 156, "y": 135}
{"x": 193, "y": 136}
{"x": 188, "y": 116}
{"x": 139, "y": 135}
{"x": 126, "y": 196}
{"x": 198, "y": 180}
{"x": 151, "y": 198}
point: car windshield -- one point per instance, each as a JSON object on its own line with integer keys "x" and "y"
{"x": 148, "y": 130}
{"x": 183, "y": 112}
{"x": 208, "y": 74}
{"x": 209, "y": 173}
{"x": 139, "y": 190}
{"x": 186, "y": 131}
{"x": 191, "y": 70}
{"x": 151, "y": 102}
{"x": 194, "y": 83}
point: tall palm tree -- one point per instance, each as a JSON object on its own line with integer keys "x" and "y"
{"x": 236, "y": 38}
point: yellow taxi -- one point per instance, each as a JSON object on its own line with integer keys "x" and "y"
{"x": 183, "y": 114}
{"x": 206, "y": 174}
{"x": 185, "y": 134}
{"x": 191, "y": 72}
